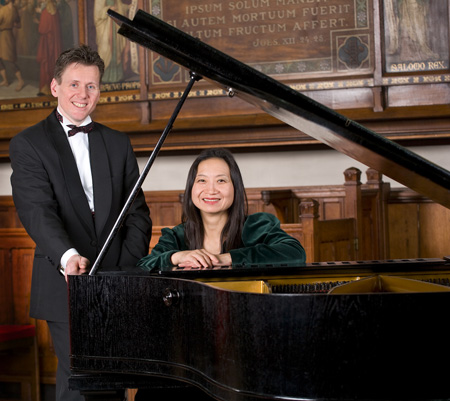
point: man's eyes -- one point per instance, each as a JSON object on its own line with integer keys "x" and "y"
{"x": 89, "y": 87}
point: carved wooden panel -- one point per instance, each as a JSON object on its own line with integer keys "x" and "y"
{"x": 6, "y": 293}
{"x": 418, "y": 228}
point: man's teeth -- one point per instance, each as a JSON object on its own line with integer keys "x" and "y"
{"x": 79, "y": 104}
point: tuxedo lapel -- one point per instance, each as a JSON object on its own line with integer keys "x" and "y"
{"x": 101, "y": 177}
{"x": 70, "y": 172}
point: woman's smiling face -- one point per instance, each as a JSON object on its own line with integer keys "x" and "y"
{"x": 213, "y": 190}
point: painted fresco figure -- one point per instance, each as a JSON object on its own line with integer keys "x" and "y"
{"x": 110, "y": 45}
{"x": 9, "y": 20}
{"x": 49, "y": 46}
{"x": 407, "y": 21}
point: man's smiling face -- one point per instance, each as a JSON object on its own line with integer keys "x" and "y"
{"x": 78, "y": 92}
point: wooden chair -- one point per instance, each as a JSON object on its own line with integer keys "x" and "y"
{"x": 14, "y": 340}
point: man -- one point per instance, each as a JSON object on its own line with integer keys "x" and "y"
{"x": 69, "y": 190}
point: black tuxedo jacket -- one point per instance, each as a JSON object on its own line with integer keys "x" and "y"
{"x": 53, "y": 208}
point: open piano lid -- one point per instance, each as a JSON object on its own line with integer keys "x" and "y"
{"x": 288, "y": 105}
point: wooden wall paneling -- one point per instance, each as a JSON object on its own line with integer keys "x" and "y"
{"x": 434, "y": 220}
{"x": 419, "y": 95}
{"x": 165, "y": 207}
{"x": 331, "y": 199}
{"x": 22, "y": 266}
{"x": 353, "y": 202}
{"x": 309, "y": 219}
{"x": 418, "y": 227}
{"x": 336, "y": 240}
{"x": 403, "y": 230}
{"x": 15, "y": 273}
{"x": 18, "y": 249}
{"x": 380, "y": 211}
{"x": 8, "y": 215}
{"x": 255, "y": 203}
{"x": 16, "y": 120}
{"x": 369, "y": 240}
{"x": 6, "y": 293}
{"x": 344, "y": 98}
{"x": 332, "y": 208}
{"x": 119, "y": 112}
{"x": 284, "y": 202}
{"x": 375, "y": 194}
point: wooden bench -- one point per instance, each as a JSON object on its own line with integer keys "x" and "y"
{"x": 18, "y": 345}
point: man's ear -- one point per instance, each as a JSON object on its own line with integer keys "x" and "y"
{"x": 53, "y": 87}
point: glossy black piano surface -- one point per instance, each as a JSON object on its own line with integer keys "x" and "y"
{"x": 239, "y": 345}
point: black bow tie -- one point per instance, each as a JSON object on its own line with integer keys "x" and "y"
{"x": 73, "y": 128}
{"x": 85, "y": 128}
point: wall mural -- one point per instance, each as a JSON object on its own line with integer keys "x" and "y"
{"x": 314, "y": 44}
{"x": 120, "y": 55}
{"x": 32, "y": 34}
{"x": 416, "y": 35}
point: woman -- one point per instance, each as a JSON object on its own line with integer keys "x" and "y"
{"x": 216, "y": 230}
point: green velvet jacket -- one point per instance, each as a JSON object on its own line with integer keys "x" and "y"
{"x": 264, "y": 243}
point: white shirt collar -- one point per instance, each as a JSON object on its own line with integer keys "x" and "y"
{"x": 66, "y": 121}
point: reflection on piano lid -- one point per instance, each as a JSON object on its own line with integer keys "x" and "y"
{"x": 288, "y": 105}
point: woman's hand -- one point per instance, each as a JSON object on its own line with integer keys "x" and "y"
{"x": 200, "y": 258}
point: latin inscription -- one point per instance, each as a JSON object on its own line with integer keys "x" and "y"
{"x": 419, "y": 66}
{"x": 277, "y": 36}
{"x": 298, "y": 19}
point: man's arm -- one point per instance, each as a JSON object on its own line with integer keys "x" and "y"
{"x": 35, "y": 201}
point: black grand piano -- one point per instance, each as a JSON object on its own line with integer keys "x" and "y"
{"x": 362, "y": 330}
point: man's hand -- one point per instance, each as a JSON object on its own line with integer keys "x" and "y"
{"x": 76, "y": 265}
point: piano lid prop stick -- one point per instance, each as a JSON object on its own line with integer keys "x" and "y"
{"x": 193, "y": 77}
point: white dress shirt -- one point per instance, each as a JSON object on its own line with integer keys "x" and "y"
{"x": 79, "y": 144}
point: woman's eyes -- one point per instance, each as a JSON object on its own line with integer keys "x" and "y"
{"x": 219, "y": 181}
